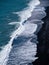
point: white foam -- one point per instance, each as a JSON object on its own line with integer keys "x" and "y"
{"x": 27, "y": 52}
{"x": 30, "y": 28}
{"x": 4, "y": 54}
{"x": 6, "y": 50}
{"x": 13, "y": 23}
{"x": 24, "y": 15}
{"x": 23, "y": 54}
{"x": 35, "y": 21}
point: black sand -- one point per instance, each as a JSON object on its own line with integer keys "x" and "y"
{"x": 43, "y": 45}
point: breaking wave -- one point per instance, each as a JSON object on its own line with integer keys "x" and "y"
{"x": 26, "y": 52}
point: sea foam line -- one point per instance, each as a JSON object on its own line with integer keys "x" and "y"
{"x": 24, "y": 15}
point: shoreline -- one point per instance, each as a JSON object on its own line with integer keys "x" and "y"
{"x": 43, "y": 38}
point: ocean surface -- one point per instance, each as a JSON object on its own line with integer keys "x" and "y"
{"x": 19, "y": 23}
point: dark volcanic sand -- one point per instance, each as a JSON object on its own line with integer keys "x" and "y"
{"x": 43, "y": 45}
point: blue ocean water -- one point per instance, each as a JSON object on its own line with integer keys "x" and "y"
{"x": 6, "y": 16}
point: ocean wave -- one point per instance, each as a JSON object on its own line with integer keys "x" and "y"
{"x": 24, "y": 15}
{"x": 23, "y": 54}
{"x": 13, "y": 23}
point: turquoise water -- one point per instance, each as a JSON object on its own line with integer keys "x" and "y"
{"x": 6, "y": 16}
{"x": 8, "y": 6}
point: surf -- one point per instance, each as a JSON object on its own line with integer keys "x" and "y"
{"x": 24, "y": 15}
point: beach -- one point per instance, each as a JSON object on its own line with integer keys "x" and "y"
{"x": 43, "y": 45}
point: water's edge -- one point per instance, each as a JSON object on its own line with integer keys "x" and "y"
{"x": 43, "y": 45}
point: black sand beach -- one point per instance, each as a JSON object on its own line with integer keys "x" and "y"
{"x": 43, "y": 45}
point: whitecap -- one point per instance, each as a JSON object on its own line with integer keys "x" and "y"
{"x": 13, "y": 23}
{"x": 24, "y": 15}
